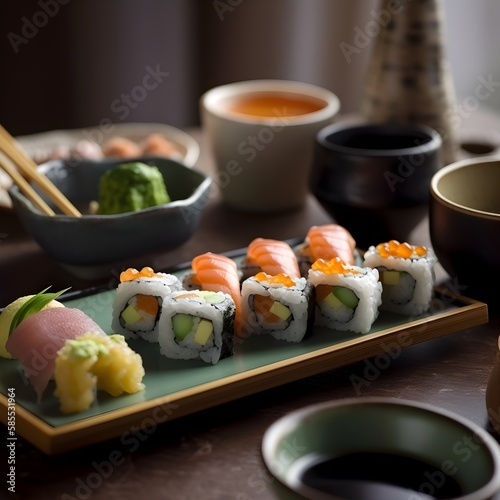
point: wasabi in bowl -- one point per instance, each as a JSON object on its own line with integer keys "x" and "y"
{"x": 129, "y": 187}
{"x": 95, "y": 239}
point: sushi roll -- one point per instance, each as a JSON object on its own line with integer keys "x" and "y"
{"x": 197, "y": 324}
{"x": 138, "y": 300}
{"x": 406, "y": 273}
{"x": 269, "y": 256}
{"x": 216, "y": 273}
{"x": 326, "y": 242}
{"x": 347, "y": 297}
{"x": 278, "y": 305}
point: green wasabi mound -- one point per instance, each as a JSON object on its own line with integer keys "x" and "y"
{"x": 129, "y": 187}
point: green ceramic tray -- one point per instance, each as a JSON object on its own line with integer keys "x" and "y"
{"x": 175, "y": 388}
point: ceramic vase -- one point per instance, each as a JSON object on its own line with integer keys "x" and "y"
{"x": 408, "y": 78}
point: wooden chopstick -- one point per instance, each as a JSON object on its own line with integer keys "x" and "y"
{"x": 25, "y": 187}
{"x": 28, "y": 167}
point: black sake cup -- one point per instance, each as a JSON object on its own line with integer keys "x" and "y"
{"x": 374, "y": 179}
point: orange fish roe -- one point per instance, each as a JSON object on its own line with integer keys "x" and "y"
{"x": 403, "y": 250}
{"x": 132, "y": 274}
{"x": 278, "y": 279}
{"x": 333, "y": 266}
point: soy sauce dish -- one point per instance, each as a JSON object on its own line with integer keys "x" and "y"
{"x": 383, "y": 448}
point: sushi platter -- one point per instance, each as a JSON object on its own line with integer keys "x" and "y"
{"x": 174, "y": 388}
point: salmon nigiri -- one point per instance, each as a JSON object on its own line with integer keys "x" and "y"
{"x": 272, "y": 257}
{"x": 327, "y": 242}
{"x": 217, "y": 273}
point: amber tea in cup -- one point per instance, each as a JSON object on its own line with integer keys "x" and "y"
{"x": 262, "y": 134}
{"x": 272, "y": 104}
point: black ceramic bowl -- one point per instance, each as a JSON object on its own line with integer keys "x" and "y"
{"x": 374, "y": 179}
{"x": 102, "y": 239}
{"x": 464, "y": 224}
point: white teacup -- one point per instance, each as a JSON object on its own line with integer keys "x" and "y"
{"x": 262, "y": 135}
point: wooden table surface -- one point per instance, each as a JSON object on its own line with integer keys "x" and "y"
{"x": 215, "y": 454}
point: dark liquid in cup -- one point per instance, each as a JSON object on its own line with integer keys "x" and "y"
{"x": 382, "y": 142}
{"x": 369, "y": 476}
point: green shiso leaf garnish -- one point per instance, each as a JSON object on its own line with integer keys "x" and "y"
{"x": 33, "y": 305}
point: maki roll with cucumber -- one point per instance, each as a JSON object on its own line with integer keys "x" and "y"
{"x": 197, "y": 324}
{"x": 216, "y": 273}
{"x": 278, "y": 305}
{"x": 406, "y": 273}
{"x": 138, "y": 300}
{"x": 275, "y": 298}
{"x": 347, "y": 297}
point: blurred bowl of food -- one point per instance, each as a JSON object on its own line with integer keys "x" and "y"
{"x": 153, "y": 204}
{"x": 368, "y": 448}
{"x": 113, "y": 140}
{"x": 464, "y": 224}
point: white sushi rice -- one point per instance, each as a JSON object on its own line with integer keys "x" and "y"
{"x": 365, "y": 284}
{"x": 296, "y": 298}
{"x": 410, "y": 298}
{"x": 211, "y": 351}
{"x": 158, "y": 287}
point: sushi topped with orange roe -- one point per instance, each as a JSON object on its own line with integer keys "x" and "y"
{"x": 138, "y": 302}
{"x": 275, "y": 299}
{"x": 326, "y": 242}
{"x": 270, "y": 256}
{"x": 406, "y": 273}
{"x": 347, "y": 297}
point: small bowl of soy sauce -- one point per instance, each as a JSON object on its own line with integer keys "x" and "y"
{"x": 380, "y": 448}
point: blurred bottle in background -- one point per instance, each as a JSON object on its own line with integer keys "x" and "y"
{"x": 408, "y": 79}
